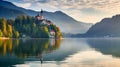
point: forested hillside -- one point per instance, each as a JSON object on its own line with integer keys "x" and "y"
{"x": 26, "y": 26}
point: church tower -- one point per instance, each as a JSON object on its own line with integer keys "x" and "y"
{"x": 40, "y": 15}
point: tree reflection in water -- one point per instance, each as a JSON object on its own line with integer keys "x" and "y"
{"x": 28, "y": 48}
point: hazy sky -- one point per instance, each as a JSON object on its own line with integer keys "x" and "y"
{"x": 90, "y": 11}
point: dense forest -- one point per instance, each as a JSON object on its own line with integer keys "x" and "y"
{"x": 26, "y": 26}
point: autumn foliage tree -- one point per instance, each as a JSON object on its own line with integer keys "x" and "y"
{"x": 6, "y": 30}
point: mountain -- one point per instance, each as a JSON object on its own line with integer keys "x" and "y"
{"x": 66, "y": 23}
{"x": 9, "y": 5}
{"x": 9, "y": 13}
{"x": 108, "y": 27}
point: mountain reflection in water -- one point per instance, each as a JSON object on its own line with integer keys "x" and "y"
{"x": 60, "y": 53}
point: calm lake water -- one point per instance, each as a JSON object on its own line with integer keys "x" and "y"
{"x": 102, "y": 52}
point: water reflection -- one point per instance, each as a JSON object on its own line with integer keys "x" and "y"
{"x": 21, "y": 49}
{"x": 54, "y": 53}
{"x": 90, "y": 58}
{"x": 84, "y": 53}
{"x": 5, "y": 47}
{"x": 106, "y": 45}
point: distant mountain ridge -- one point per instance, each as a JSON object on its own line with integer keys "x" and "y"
{"x": 14, "y": 7}
{"x": 108, "y": 27}
{"x": 66, "y": 23}
{"x": 12, "y": 12}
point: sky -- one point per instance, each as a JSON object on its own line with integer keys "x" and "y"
{"x": 89, "y": 11}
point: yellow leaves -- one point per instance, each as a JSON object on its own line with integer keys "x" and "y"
{"x": 1, "y": 34}
{"x": 9, "y": 30}
{"x": 58, "y": 29}
{"x": 46, "y": 29}
{"x": 3, "y": 25}
{"x": 17, "y": 34}
{"x": 6, "y": 29}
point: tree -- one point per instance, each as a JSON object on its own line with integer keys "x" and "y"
{"x": 26, "y": 25}
{"x": 45, "y": 28}
{"x": 1, "y": 34}
{"x": 15, "y": 34}
{"x": 3, "y": 23}
{"x": 9, "y": 30}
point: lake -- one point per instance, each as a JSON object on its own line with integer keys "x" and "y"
{"x": 69, "y": 52}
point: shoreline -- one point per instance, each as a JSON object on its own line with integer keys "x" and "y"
{"x": 66, "y": 38}
{"x": 4, "y": 38}
{"x": 27, "y": 38}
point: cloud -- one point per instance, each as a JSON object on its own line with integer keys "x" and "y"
{"x": 43, "y": 1}
{"x": 24, "y": 5}
{"x": 77, "y": 8}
